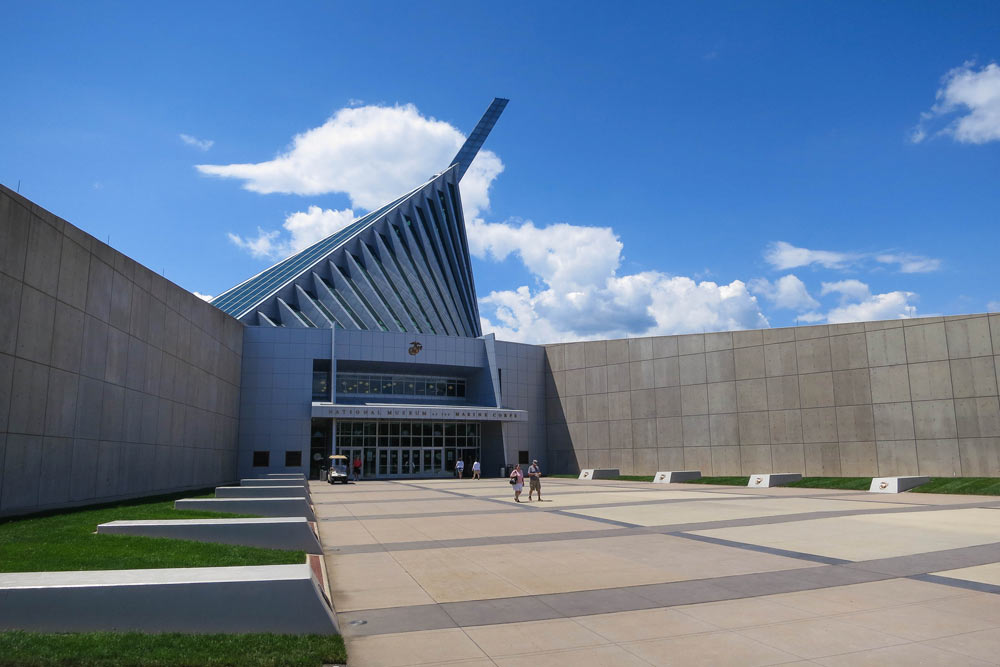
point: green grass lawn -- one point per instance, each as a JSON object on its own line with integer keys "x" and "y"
{"x": 111, "y": 649}
{"x": 66, "y": 540}
{"x": 729, "y": 481}
{"x": 984, "y": 486}
{"x": 848, "y": 483}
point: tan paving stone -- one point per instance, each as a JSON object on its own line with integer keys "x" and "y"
{"x": 599, "y": 656}
{"x": 412, "y": 648}
{"x": 982, "y": 645}
{"x": 905, "y": 654}
{"x": 629, "y": 626}
{"x": 747, "y": 612}
{"x": 723, "y": 510}
{"x": 864, "y": 597}
{"x": 918, "y": 622}
{"x": 709, "y": 650}
{"x": 532, "y": 637}
{"x": 984, "y": 574}
{"x": 866, "y": 537}
{"x": 816, "y": 638}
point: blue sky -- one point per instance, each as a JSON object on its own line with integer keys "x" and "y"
{"x": 666, "y": 167}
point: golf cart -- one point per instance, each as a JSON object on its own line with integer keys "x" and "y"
{"x": 338, "y": 470}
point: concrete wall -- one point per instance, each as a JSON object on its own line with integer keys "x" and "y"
{"x": 114, "y": 382}
{"x": 276, "y": 397}
{"x": 901, "y": 397}
{"x": 522, "y": 388}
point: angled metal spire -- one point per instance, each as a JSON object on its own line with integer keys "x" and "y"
{"x": 475, "y": 141}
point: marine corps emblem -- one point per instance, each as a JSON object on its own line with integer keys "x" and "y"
{"x": 415, "y": 348}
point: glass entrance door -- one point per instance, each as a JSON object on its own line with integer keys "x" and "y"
{"x": 407, "y": 449}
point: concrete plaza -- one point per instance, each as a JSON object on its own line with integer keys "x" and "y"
{"x": 619, "y": 573}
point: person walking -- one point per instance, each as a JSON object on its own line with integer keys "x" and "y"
{"x": 535, "y": 480}
{"x": 357, "y": 467}
{"x": 476, "y": 468}
{"x": 460, "y": 467}
{"x": 517, "y": 479}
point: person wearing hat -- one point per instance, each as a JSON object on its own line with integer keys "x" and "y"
{"x": 535, "y": 480}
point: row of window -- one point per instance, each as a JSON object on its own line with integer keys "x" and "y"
{"x": 407, "y": 428}
{"x": 262, "y": 459}
{"x": 399, "y": 385}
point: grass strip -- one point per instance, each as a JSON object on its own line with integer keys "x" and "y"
{"x": 847, "y": 483}
{"x": 728, "y": 481}
{"x": 982, "y": 486}
{"x": 118, "y": 649}
{"x": 66, "y": 540}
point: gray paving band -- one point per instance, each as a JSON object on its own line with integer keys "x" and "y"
{"x": 532, "y": 507}
{"x": 957, "y": 583}
{"x": 633, "y": 598}
{"x": 762, "y": 549}
{"x": 624, "y": 529}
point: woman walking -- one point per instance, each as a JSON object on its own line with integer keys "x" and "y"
{"x": 517, "y": 479}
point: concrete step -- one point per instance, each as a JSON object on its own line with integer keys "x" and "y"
{"x": 272, "y": 482}
{"x": 271, "y": 532}
{"x": 284, "y": 599}
{"x": 767, "y": 480}
{"x": 674, "y": 476}
{"x": 283, "y": 491}
{"x": 254, "y": 506}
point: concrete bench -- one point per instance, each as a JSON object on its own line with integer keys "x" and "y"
{"x": 260, "y": 491}
{"x": 272, "y": 482}
{"x": 284, "y": 599}
{"x": 674, "y": 476}
{"x": 256, "y": 506}
{"x": 285, "y": 475}
{"x": 896, "y": 484}
{"x": 599, "y": 473}
{"x": 293, "y": 532}
{"x": 766, "y": 480}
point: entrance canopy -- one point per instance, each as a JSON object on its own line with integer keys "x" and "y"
{"x": 407, "y": 411}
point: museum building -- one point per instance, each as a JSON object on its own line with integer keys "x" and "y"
{"x": 369, "y": 344}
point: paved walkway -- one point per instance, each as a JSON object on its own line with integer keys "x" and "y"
{"x": 618, "y": 573}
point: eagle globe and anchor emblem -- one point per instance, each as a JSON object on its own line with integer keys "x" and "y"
{"x": 415, "y": 348}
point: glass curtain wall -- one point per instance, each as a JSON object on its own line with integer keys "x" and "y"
{"x": 418, "y": 449}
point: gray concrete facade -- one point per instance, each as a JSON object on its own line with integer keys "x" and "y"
{"x": 902, "y": 397}
{"x": 114, "y": 382}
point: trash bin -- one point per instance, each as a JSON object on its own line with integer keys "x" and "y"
{"x": 503, "y": 471}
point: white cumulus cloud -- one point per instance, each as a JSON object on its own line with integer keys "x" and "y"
{"x": 580, "y": 295}
{"x": 303, "y": 229}
{"x": 787, "y": 292}
{"x": 203, "y": 297}
{"x": 889, "y": 306}
{"x": 848, "y": 289}
{"x": 372, "y": 154}
{"x": 968, "y": 102}
{"x": 783, "y": 256}
{"x": 910, "y": 263}
{"x": 200, "y": 144}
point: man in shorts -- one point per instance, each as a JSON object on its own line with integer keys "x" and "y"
{"x": 535, "y": 480}
{"x": 460, "y": 467}
{"x": 476, "y": 468}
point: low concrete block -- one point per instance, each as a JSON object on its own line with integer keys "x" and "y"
{"x": 293, "y": 532}
{"x": 896, "y": 484}
{"x": 773, "y": 479}
{"x": 673, "y": 476}
{"x": 282, "y": 491}
{"x": 272, "y": 482}
{"x": 284, "y": 599}
{"x": 599, "y": 473}
{"x": 254, "y": 506}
